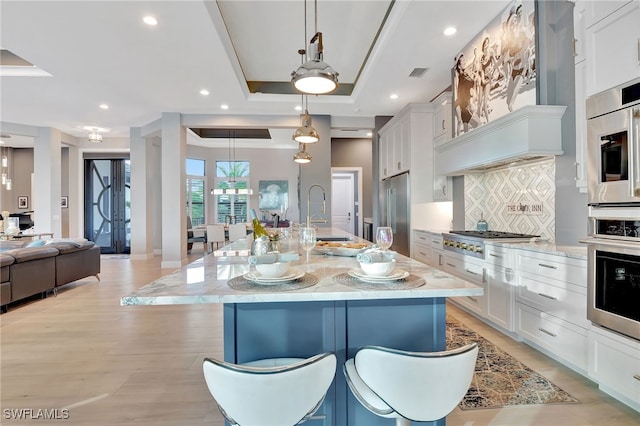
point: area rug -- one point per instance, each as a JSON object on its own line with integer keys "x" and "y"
{"x": 500, "y": 380}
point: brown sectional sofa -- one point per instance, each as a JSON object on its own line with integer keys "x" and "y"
{"x": 28, "y": 271}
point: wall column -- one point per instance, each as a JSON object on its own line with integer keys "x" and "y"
{"x": 173, "y": 175}
{"x": 47, "y": 178}
{"x": 141, "y": 203}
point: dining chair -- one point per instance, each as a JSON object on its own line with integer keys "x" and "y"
{"x": 276, "y": 391}
{"x": 192, "y": 238}
{"x": 215, "y": 234}
{"x": 410, "y": 386}
{"x": 237, "y": 231}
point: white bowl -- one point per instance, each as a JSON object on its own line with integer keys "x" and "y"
{"x": 273, "y": 270}
{"x": 378, "y": 269}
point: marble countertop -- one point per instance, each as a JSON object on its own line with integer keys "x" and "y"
{"x": 205, "y": 281}
{"x": 575, "y": 252}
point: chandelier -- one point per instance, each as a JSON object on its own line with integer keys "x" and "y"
{"x": 95, "y": 136}
{"x": 232, "y": 190}
{"x": 302, "y": 156}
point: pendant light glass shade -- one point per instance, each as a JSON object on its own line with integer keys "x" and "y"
{"x": 302, "y": 156}
{"x": 306, "y": 133}
{"x": 315, "y": 77}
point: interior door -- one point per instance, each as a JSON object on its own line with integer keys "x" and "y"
{"x": 108, "y": 204}
{"x": 343, "y": 202}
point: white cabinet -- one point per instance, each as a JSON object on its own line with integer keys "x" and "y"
{"x": 612, "y": 45}
{"x": 442, "y": 132}
{"x": 581, "y": 126}
{"x": 421, "y": 246}
{"x": 500, "y": 292}
{"x": 614, "y": 363}
{"x": 395, "y": 146}
{"x": 470, "y": 269}
{"x": 437, "y": 251}
{"x": 551, "y": 304}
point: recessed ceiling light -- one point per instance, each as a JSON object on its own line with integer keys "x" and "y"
{"x": 204, "y": 92}
{"x": 393, "y": 96}
{"x": 450, "y": 31}
{"x": 224, "y": 106}
{"x": 150, "y": 20}
{"x": 104, "y": 106}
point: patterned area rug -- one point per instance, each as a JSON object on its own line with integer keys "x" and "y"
{"x": 500, "y": 380}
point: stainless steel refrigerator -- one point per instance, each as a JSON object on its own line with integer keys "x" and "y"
{"x": 395, "y": 210}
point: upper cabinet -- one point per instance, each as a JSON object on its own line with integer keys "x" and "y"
{"x": 395, "y": 147}
{"x": 442, "y": 132}
{"x": 612, "y": 44}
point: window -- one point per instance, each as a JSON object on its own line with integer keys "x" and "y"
{"x": 196, "y": 191}
{"x": 230, "y": 175}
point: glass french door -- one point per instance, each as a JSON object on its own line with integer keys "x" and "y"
{"x": 108, "y": 204}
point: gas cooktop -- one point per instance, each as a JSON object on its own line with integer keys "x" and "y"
{"x": 492, "y": 234}
{"x": 471, "y": 243}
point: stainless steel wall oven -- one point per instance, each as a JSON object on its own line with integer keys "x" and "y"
{"x": 613, "y": 150}
{"x": 613, "y": 292}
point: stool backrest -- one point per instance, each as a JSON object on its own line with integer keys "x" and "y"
{"x": 276, "y": 395}
{"x": 421, "y": 386}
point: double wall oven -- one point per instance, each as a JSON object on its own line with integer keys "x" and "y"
{"x": 613, "y": 129}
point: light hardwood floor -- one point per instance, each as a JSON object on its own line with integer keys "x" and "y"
{"x": 125, "y": 365}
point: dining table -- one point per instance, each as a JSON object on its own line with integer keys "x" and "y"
{"x": 325, "y": 305}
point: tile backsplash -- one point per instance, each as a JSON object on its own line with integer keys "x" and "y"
{"x": 516, "y": 199}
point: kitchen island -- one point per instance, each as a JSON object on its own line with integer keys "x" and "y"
{"x": 326, "y": 310}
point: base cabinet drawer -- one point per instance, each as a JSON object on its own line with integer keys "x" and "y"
{"x": 561, "y": 338}
{"x": 614, "y": 363}
{"x": 422, "y": 253}
{"x": 565, "y": 301}
{"x": 472, "y": 303}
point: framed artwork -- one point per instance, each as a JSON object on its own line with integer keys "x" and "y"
{"x": 64, "y": 202}
{"x": 23, "y": 202}
{"x": 274, "y": 195}
{"x": 496, "y": 72}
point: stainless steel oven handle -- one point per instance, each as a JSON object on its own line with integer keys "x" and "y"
{"x": 634, "y": 167}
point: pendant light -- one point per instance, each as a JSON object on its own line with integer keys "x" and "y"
{"x": 302, "y": 156}
{"x": 232, "y": 190}
{"x": 314, "y": 77}
{"x": 95, "y": 136}
{"x": 306, "y": 133}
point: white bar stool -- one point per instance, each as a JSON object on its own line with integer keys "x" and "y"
{"x": 270, "y": 392}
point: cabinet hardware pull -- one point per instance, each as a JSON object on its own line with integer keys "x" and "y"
{"x": 636, "y": 376}
{"x": 575, "y": 51}
{"x": 639, "y": 51}
{"x": 422, "y": 253}
{"x": 440, "y": 260}
{"x": 548, "y": 332}
{"x": 547, "y": 296}
{"x": 399, "y": 167}
{"x": 443, "y": 125}
{"x": 451, "y": 265}
{"x": 495, "y": 255}
{"x": 436, "y": 242}
{"x": 471, "y": 272}
{"x": 547, "y": 266}
{"x": 473, "y": 299}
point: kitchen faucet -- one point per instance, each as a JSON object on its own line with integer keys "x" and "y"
{"x": 324, "y": 206}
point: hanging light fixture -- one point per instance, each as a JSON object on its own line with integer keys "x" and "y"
{"x": 306, "y": 133}
{"x": 232, "y": 183}
{"x": 95, "y": 136}
{"x": 314, "y": 77}
{"x": 302, "y": 156}
{"x": 6, "y": 180}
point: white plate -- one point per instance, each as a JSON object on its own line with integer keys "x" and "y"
{"x": 395, "y": 276}
{"x": 258, "y": 279}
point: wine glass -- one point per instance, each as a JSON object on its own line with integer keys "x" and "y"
{"x": 308, "y": 239}
{"x": 384, "y": 237}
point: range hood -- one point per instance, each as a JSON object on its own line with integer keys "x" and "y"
{"x": 528, "y": 133}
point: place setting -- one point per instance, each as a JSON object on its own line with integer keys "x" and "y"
{"x": 273, "y": 272}
{"x": 378, "y": 269}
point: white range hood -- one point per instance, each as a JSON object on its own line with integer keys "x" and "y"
{"x": 527, "y": 133}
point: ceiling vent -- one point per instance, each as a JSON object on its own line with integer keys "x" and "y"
{"x": 418, "y": 72}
